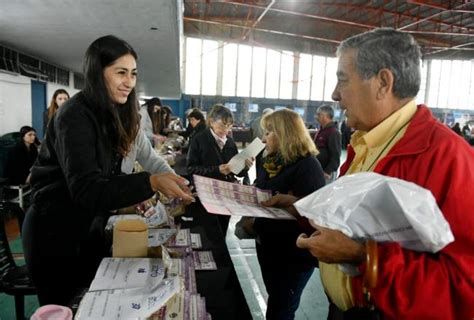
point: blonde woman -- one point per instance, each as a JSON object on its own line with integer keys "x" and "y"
{"x": 290, "y": 167}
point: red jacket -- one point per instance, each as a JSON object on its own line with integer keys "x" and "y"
{"x": 414, "y": 285}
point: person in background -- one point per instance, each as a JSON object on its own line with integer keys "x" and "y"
{"x": 211, "y": 150}
{"x": 76, "y": 180}
{"x": 21, "y": 157}
{"x": 378, "y": 78}
{"x": 197, "y": 123}
{"x": 457, "y": 128}
{"x": 59, "y": 97}
{"x": 256, "y": 128}
{"x": 289, "y": 167}
{"x": 466, "y": 131}
{"x": 165, "y": 119}
{"x": 150, "y": 121}
{"x": 328, "y": 142}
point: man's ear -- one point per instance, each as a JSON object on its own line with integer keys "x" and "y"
{"x": 384, "y": 83}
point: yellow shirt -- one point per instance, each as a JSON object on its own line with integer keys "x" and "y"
{"x": 369, "y": 148}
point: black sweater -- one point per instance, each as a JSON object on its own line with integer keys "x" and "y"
{"x": 20, "y": 160}
{"x": 278, "y": 237}
{"x": 205, "y": 157}
{"x": 73, "y": 179}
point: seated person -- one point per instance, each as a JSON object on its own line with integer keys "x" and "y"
{"x": 21, "y": 157}
{"x": 211, "y": 150}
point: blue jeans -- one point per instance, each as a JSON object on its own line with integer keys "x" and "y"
{"x": 284, "y": 284}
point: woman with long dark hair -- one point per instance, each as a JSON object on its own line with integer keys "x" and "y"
{"x": 21, "y": 157}
{"x": 77, "y": 181}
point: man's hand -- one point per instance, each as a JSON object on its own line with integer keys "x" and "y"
{"x": 332, "y": 246}
{"x": 171, "y": 185}
{"x": 284, "y": 201}
{"x": 327, "y": 176}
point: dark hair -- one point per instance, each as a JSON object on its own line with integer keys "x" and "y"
{"x": 120, "y": 121}
{"x": 387, "y": 48}
{"x": 25, "y": 129}
{"x": 196, "y": 114}
{"x": 53, "y": 106}
{"x": 154, "y": 116}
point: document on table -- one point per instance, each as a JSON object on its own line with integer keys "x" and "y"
{"x": 237, "y": 163}
{"x": 128, "y": 273}
{"x": 157, "y": 237}
{"x": 226, "y": 198}
{"x": 127, "y": 303}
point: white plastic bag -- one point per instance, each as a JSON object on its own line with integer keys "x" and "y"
{"x": 372, "y": 206}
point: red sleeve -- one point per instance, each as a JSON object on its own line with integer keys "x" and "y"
{"x": 416, "y": 285}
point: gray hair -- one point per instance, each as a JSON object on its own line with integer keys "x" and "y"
{"x": 387, "y": 48}
{"x": 219, "y": 112}
{"x": 327, "y": 109}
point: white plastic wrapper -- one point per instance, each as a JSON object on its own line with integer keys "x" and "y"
{"x": 372, "y": 206}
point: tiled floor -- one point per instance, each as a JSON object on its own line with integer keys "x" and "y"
{"x": 314, "y": 304}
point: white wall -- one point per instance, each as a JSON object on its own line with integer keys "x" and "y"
{"x": 15, "y": 101}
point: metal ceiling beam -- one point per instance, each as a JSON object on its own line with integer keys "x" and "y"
{"x": 262, "y": 30}
{"x": 260, "y": 17}
{"x": 433, "y": 15}
{"x": 458, "y": 47}
{"x": 398, "y": 14}
{"x": 302, "y": 14}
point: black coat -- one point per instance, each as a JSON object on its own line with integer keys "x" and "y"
{"x": 73, "y": 180}
{"x": 278, "y": 237}
{"x": 204, "y": 156}
{"x": 19, "y": 162}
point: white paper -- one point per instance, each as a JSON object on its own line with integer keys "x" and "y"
{"x": 204, "y": 260}
{"x": 126, "y": 303}
{"x": 372, "y": 206}
{"x": 157, "y": 237}
{"x": 237, "y": 163}
{"x": 128, "y": 273}
{"x": 226, "y": 198}
{"x": 196, "y": 242}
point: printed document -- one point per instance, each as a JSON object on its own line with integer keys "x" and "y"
{"x": 237, "y": 163}
{"x": 226, "y": 198}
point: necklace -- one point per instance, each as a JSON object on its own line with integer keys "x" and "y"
{"x": 387, "y": 144}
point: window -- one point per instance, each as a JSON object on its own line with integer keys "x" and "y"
{"x": 435, "y": 73}
{"x": 243, "y": 75}
{"x": 304, "y": 77}
{"x": 317, "y": 83}
{"x": 253, "y": 107}
{"x": 331, "y": 78}
{"x": 272, "y": 82}
{"x": 193, "y": 66}
{"x": 286, "y": 75}
{"x": 258, "y": 72}
{"x": 229, "y": 69}
{"x": 209, "y": 67}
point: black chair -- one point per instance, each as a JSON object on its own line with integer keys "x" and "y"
{"x": 14, "y": 280}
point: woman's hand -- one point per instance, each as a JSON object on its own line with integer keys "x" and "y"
{"x": 284, "y": 201}
{"x": 249, "y": 162}
{"x": 224, "y": 169}
{"x": 171, "y": 185}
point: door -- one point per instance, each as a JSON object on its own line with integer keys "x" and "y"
{"x": 38, "y": 106}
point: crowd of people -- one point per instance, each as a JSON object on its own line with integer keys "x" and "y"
{"x": 84, "y": 170}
